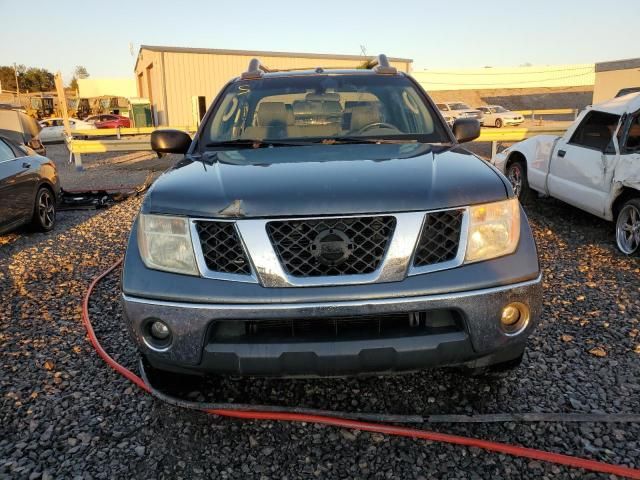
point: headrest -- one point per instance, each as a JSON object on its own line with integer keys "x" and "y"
{"x": 271, "y": 112}
{"x": 362, "y": 115}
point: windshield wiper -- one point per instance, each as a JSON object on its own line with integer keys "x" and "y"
{"x": 254, "y": 143}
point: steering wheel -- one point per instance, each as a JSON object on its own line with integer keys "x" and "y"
{"x": 377, "y": 125}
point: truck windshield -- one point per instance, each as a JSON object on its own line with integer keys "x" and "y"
{"x": 460, "y": 106}
{"x": 323, "y": 107}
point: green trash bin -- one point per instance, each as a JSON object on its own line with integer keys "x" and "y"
{"x": 141, "y": 113}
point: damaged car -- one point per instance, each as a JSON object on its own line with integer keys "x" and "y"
{"x": 594, "y": 166}
{"x": 329, "y": 222}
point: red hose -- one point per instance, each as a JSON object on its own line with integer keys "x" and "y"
{"x": 505, "y": 448}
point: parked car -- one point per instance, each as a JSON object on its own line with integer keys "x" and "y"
{"x": 328, "y": 222}
{"x": 594, "y": 166}
{"x": 497, "y": 116}
{"x": 449, "y": 119}
{"x": 457, "y": 110}
{"x": 109, "y": 121}
{"x": 53, "y": 128}
{"x": 29, "y": 188}
{"x": 20, "y": 128}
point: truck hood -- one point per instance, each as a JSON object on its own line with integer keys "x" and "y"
{"x": 331, "y": 180}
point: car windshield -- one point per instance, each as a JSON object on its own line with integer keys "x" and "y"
{"x": 459, "y": 106}
{"x": 328, "y": 108}
{"x": 499, "y": 109}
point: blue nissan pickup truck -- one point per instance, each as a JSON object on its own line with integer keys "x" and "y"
{"x": 328, "y": 222}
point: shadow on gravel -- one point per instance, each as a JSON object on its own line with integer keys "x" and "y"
{"x": 66, "y": 220}
{"x": 573, "y": 226}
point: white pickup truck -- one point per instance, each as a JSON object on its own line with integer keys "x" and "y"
{"x": 594, "y": 166}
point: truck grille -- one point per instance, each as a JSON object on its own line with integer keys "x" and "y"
{"x": 325, "y": 247}
{"x": 439, "y": 239}
{"x": 221, "y": 247}
{"x": 392, "y": 325}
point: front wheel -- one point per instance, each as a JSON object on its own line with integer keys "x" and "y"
{"x": 499, "y": 123}
{"x": 517, "y": 175}
{"x": 628, "y": 227}
{"x": 44, "y": 211}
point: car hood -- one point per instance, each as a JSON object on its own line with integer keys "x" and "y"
{"x": 332, "y": 180}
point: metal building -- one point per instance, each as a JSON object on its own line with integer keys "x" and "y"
{"x": 611, "y": 77}
{"x": 182, "y": 82}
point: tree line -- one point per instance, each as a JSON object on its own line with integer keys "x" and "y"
{"x": 33, "y": 79}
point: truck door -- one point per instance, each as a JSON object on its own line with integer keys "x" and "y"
{"x": 580, "y": 170}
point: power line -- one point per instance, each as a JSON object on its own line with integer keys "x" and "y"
{"x": 517, "y": 82}
{"x": 560, "y": 70}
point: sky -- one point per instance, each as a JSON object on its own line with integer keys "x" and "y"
{"x": 435, "y": 34}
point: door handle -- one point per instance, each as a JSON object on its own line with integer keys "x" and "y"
{"x": 561, "y": 153}
{"x": 26, "y": 165}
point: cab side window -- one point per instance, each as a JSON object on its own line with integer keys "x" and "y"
{"x": 632, "y": 143}
{"x": 6, "y": 153}
{"x": 596, "y": 131}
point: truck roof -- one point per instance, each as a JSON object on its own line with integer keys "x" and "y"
{"x": 378, "y": 66}
{"x": 620, "y": 105}
{"x": 319, "y": 71}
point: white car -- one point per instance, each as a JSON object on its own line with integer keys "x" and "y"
{"x": 53, "y": 128}
{"x": 456, "y": 110}
{"x": 497, "y": 116}
{"x": 594, "y": 166}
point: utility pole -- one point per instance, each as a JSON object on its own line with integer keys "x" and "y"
{"x": 15, "y": 71}
{"x": 62, "y": 102}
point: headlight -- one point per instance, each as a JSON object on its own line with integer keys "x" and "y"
{"x": 494, "y": 230}
{"x": 165, "y": 244}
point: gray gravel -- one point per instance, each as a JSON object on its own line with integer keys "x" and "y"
{"x": 64, "y": 414}
{"x": 107, "y": 169}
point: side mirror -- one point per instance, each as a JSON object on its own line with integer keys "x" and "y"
{"x": 466, "y": 129}
{"x": 170, "y": 141}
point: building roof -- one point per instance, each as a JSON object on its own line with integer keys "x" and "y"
{"x": 259, "y": 53}
{"x": 618, "y": 65}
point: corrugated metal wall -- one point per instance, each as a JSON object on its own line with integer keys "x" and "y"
{"x": 506, "y": 77}
{"x": 191, "y": 75}
{"x": 611, "y": 82}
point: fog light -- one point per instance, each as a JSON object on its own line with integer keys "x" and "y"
{"x": 510, "y": 315}
{"x": 159, "y": 330}
{"x": 514, "y": 318}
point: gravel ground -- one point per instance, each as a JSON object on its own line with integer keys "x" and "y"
{"x": 107, "y": 169}
{"x": 64, "y": 414}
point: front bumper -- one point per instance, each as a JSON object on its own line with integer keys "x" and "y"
{"x": 481, "y": 342}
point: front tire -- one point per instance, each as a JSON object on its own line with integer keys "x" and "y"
{"x": 517, "y": 174}
{"x": 44, "y": 211}
{"x": 498, "y": 123}
{"x": 628, "y": 227}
